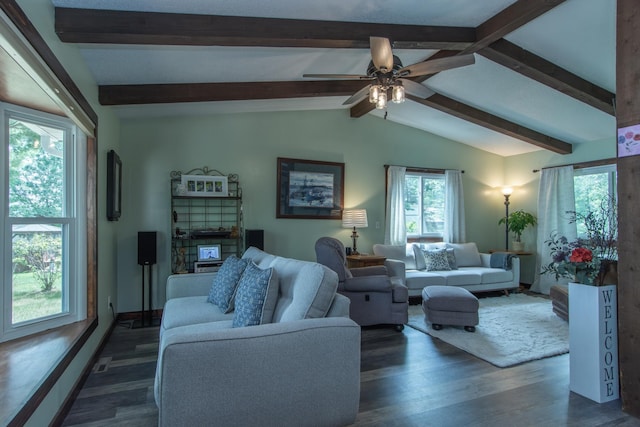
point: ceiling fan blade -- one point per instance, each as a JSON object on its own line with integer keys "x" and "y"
{"x": 381, "y": 53}
{"x": 338, "y": 76}
{"x": 358, "y": 96}
{"x": 416, "y": 89}
{"x": 436, "y": 65}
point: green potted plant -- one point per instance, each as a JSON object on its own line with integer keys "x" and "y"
{"x": 516, "y": 222}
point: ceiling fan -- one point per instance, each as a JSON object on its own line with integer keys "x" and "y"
{"x": 387, "y": 73}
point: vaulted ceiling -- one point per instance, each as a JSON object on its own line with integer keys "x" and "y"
{"x": 543, "y": 78}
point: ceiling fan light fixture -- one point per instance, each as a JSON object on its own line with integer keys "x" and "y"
{"x": 382, "y": 100}
{"x": 397, "y": 95}
{"x": 374, "y": 91}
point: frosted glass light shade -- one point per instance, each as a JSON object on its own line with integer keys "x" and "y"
{"x": 397, "y": 95}
{"x": 382, "y": 100}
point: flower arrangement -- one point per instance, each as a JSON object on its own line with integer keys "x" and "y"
{"x": 573, "y": 260}
{"x": 589, "y": 260}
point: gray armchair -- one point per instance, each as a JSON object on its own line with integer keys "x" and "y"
{"x": 375, "y": 297}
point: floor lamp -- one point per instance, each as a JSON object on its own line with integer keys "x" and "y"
{"x": 506, "y": 191}
{"x": 354, "y": 218}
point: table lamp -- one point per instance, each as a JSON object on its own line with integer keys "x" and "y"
{"x": 354, "y": 218}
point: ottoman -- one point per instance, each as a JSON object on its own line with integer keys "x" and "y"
{"x": 449, "y": 305}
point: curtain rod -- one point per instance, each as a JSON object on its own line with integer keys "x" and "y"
{"x": 419, "y": 169}
{"x": 583, "y": 165}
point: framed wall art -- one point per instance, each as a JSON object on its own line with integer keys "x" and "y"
{"x": 309, "y": 189}
{"x": 205, "y": 186}
{"x": 114, "y": 186}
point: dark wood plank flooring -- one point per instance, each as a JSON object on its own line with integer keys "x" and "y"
{"x": 408, "y": 379}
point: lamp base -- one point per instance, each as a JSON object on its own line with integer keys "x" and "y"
{"x": 354, "y": 236}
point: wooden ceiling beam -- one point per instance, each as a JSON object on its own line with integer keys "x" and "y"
{"x": 118, "y": 27}
{"x": 536, "y": 68}
{"x": 508, "y": 20}
{"x": 154, "y": 28}
{"x": 232, "y": 91}
{"x": 495, "y": 123}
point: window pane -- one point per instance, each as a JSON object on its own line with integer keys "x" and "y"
{"x": 424, "y": 204}
{"x": 433, "y": 205}
{"x": 590, "y": 191}
{"x": 37, "y": 271}
{"x": 36, "y": 170}
{"x": 412, "y": 204}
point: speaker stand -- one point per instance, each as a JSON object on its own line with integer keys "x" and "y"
{"x": 143, "y": 313}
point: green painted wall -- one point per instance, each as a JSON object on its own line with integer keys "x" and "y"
{"x": 249, "y": 144}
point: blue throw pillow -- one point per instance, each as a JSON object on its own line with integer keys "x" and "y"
{"x": 256, "y": 296}
{"x": 225, "y": 283}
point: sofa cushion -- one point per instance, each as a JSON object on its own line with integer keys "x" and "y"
{"x": 436, "y": 260}
{"x": 225, "y": 283}
{"x": 466, "y": 254}
{"x": 256, "y": 296}
{"x": 307, "y": 290}
{"x": 451, "y": 257}
{"x": 496, "y": 275}
{"x": 463, "y": 277}
{"x": 419, "y": 279}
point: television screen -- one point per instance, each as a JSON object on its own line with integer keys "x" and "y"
{"x": 209, "y": 253}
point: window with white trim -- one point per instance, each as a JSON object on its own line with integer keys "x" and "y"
{"x": 424, "y": 204}
{"x": 43, "y": 167}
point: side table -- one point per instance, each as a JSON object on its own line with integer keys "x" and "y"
{"x": 357, "y": 261}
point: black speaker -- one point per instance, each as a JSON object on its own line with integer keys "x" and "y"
{"x": 146, "y": 247}
{"x": 254, "y": 238}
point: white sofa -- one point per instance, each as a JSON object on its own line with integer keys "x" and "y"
{"x": 300, "y": 368}
{"x": 472, "y": 270}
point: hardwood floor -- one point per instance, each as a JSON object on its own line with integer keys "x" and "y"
{"x": 408, "y": 379}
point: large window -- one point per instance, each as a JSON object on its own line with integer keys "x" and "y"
{"x": 41, "y": 223}
{"x": 424, "y": 204}
{"x": 592, "y": 187}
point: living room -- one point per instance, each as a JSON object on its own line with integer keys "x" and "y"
{"x": 248, "y": 144}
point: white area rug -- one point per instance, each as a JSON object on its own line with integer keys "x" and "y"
{"x": 514, "y": 329}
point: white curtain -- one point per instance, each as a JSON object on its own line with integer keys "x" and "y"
{"x": 555, "y": 198}
{"x": 395, "y": 232}
{"x": 454, "y": 226}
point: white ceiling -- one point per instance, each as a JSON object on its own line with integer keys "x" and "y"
{"x": 578, "y": 35}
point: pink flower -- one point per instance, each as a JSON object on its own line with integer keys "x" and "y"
{"x": 581, "y": 255}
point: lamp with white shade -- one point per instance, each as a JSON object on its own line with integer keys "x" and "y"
{"x": 354, "y": 218}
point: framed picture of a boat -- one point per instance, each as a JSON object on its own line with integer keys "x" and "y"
{"x": 310, "y": 189}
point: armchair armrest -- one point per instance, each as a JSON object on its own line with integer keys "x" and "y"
{"x": 241, "y": 375}
{"x": 381, "y": 283}
{"x": 396, "y": 268}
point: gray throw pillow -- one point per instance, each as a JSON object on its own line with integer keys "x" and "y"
{"x": 225, "y": 283}
{"x": 467, "y": 254}
{"x": 419, "y": 255}
{"x": 436, "y": 260}
{"x": 256, "y": 296}
{"x": 451, "y": 257}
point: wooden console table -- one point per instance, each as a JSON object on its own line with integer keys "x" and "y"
{"x": 356, "y": 261}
